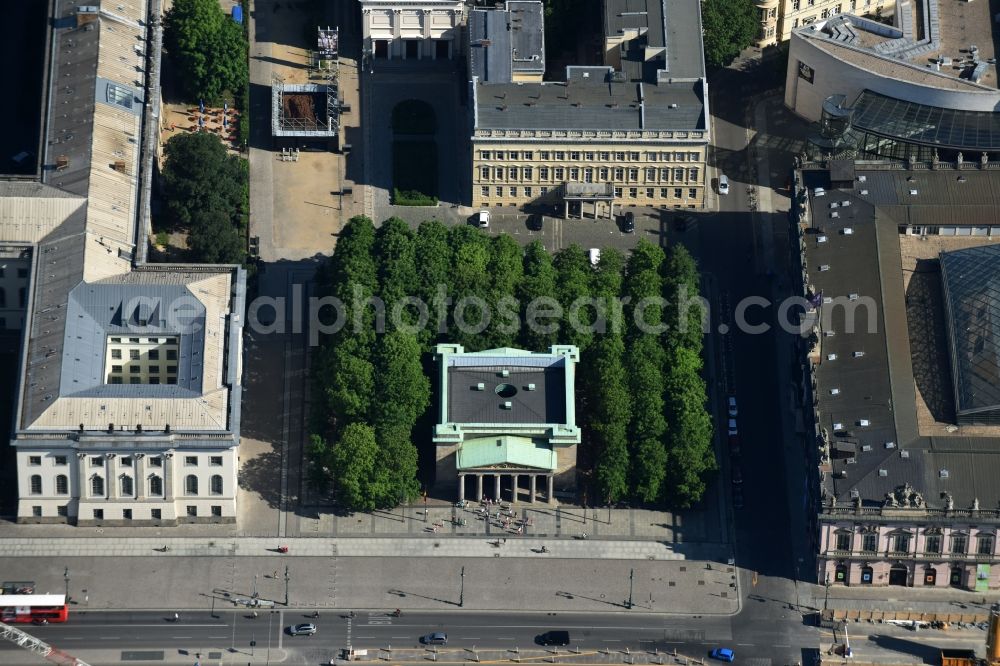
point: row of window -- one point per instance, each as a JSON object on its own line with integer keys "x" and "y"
{"x": 603, "y": 174}
{"x": 154, "y": 514}
{"x": 126, "y": 485}
{"x": 127, "y": 461}
{"x": 118, "y": 379}
{"x": 633, "y": 192}
{"x": 154, "y": 341}
{"x": 900, "y": 543}
{"x": 589, "y": 155}
{"x": 151, "y": 354}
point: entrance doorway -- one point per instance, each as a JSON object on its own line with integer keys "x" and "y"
{"x": 956, "y": 577}
{"x": 867, "y": 575}
{"x": 412, "y": 48}
{"x": 898, "y": 575}
{"x": 441, "y": 49}
{"x": 841, "y": 574}
{"x": 381, "y": 48}
{"x": 930, "y": 576}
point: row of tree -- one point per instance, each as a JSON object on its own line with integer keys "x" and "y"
{"x": 641, "y": 399}
{"x": 205, "y": 191}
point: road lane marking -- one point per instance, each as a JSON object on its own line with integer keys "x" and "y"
{"x": 782, "y": 645}
{"x": 218, "y": 637}
{"x": 506, "y": 638}
{"x": 611, "y": 640}
{"x": 745, "y": 644}
{"x": 182, "y": 637}
{"x": 113, "y": 638}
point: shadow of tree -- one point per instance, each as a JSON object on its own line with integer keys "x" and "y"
{"x": 260, "y": 475}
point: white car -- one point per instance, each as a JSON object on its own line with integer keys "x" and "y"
{"x": 723, "y": 184}
{"x": 733, "y": 411}
{"x": 733, "y": 431}
{"x": 595, "y": 256}
{"x": 483, "y": 219}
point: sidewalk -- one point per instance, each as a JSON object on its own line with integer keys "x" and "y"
{"x": 98, "y": 582}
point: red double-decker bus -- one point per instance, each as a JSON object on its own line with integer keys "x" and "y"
{"x": 25, "y": 608}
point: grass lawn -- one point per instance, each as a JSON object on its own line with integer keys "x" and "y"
{"x": 414, "y": 166}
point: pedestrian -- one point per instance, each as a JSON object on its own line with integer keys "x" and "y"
{"x": 520, "y": 530}
{"x": 275, "y": 574}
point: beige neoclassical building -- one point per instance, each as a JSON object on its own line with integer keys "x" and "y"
{"x": 506, "y": 425}
{"x": 633, "y": 132}
{"x": 412, "y": 29}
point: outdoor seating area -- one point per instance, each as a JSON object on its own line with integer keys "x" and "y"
{"x": 222, "y": 121}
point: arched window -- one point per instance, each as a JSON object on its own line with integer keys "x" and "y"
{"x": 156, "y": 486}
{"x": 62, "y": 485}
{"x": 97, "y": 486}
{"x": 191, "y": 484}
{"x": 127, "y": 486}
{"x": 36, "y": 484}
{"x": 216, "y": 484}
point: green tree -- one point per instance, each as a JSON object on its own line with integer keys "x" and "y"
{"x": 536, "y": 294}
{"x": 506, "y": 271}
{"x": 470, "y": 286}
{"x": 215, "y": 239}
{"x": 354, "y": 463}
{"x": 690, "y": 457}
{"x": 606, "y": 286}
{"x": 402, "y": 391}
{"x": 199, "y": 175}
{"x": 648, "y": 426}
{"x": 397, "y": 467}
{"x": 729, "y": 26}
{"x": 684, "y": 311}
{"x": 573, "y": 276}
{"x": 207, "y": 48}
{"x": 434, "y": 257}
{"x": 643, "y": 286}
{"x": 346, "y": 381}
{"x": 397, "y": 267}
{"x": 609, "y": 416}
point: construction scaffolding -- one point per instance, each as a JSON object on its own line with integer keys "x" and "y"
{"x": 307, "y": 110}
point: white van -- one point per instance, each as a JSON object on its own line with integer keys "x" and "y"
{"x": 595, "y": 257}
{"x": 723, "y": 184}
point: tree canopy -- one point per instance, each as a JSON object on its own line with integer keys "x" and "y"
{"x": 207, "y": 48}
{"x": 729, "y": 26}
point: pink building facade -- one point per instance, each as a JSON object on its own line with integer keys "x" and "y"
{"x": 909, "y": 547}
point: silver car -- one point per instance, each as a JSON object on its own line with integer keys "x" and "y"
{"x": 302, "y": 629}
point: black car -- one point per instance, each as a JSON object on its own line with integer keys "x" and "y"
{"x": 535, "y": 222}
{"x": 628, "y": 222}
{"x": 559, "y": 638}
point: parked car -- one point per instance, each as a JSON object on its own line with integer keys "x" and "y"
{"x": 737, "y": 475}
{"x": 435, "y": 638}
{"x": 628, "y": 222}
{"x": 734, "y": 445}
{"x": 733, "y": 411}
{"x": 595, "y": 256}
{"x": 722, "y": 654}
{"x": 733, "y": 430}
{"x": 558, "y": 638}
{"x": 535, "y": 222}
{"x": 723, "y": 184}
{"x": 737, "y": 497}
{"x": 483, "y": 219}
{"x": 302, "y": 629}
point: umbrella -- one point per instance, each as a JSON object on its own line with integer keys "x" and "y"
{"x": 201, "y": 105}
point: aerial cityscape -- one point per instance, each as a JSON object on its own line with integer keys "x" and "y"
{"x": 578, "y": 332}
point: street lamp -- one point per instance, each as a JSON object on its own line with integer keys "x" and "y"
{"x": 826, "y": 599}
{"x": 66, "y": 579}
{"x": 631, "y": 575}
{"x": 286, "y": 585}
{"x": 461, "y": 594}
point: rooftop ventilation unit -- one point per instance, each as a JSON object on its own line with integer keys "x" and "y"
{"x": 838, "y": 426}
{"x": 864, "y": 193}
{"x": 531, "y": 387}
{"x": 508, "y": 405}
{"x": 904, "y": 454}
{"x": 480, "y": 386}
{"x": 852, "y": 297}
{"x": 858, "y": 354}
{"x": 505, "y": 373}
{"x": 831, "y": 357}
{"x": 890, "y": 445}
{"x": 855, "y": 494}
{"x": 852, "y": 461}
{"x": 824, "y": 268}
{"x": 835, "y": 391}
{"x": 848, "y": 231}
{"x": 943, "y": 474}
{"x": 866, "y": 447}
{"x": 864, "y": 423}
{"x": 883, "y": 472}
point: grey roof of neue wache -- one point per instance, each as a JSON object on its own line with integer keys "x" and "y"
{"x": 879, "y": 386}
{"x": 98, "y": 311}
{"x": 971, "y": 285}
{"x": 546, "y": 404}
{"x": 592, "y": 103}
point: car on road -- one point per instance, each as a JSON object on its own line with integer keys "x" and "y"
{"x": 737, "y": 497}
{"x": 302, "y": 629}
{"x": 737, "y": 475}
{"x": 734, "y": 445}
{"x": 628, "y": 222}
{"x": 483, "y": 219}
{"x": 722, "y": 654}
{"x": 723, "y": 184}
{"x": 733, "y": 430}
{"x": 435, "y": 638}
{"x": 535, "y": 222}
{"x": 558, "y": 638}
{"x": 733, "y": 410}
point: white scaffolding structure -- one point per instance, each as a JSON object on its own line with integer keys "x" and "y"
{"x": 327, "y": 105}
{"x": 28, "y": 642}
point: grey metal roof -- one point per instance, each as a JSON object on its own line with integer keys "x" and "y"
{"x": 543, "y": 405}
{"x": 879, "y": 386}
{"x": 674, "y": 26}
{"x": 97, "y": 311}
{"x": 971, "y": 281}
{"x": 591, "y": 103}
{"x": 504, "y": 41}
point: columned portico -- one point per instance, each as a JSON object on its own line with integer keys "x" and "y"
{"x": 500, "y": 483}
{"x": 496, "y": 494}
{"x": 600, "y": 196}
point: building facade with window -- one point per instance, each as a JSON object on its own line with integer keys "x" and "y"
{"x": 631, "y": 133}
{"x": 779, "y": 18}
{"x": 412, "y": 29}
{"x": 908, "y": 457}
{"x": 128, "y": 405}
